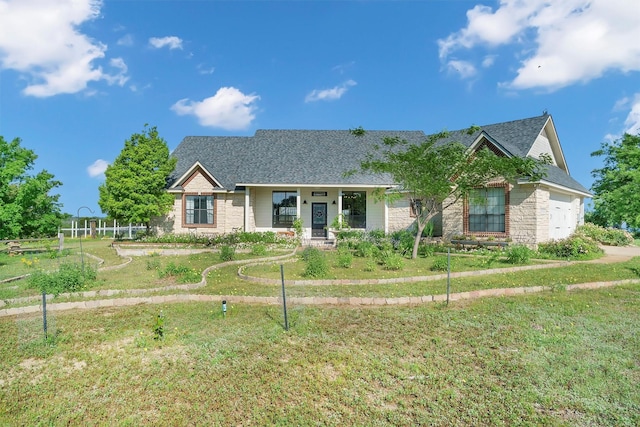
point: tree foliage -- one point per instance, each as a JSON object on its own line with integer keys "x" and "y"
{"x": 436, "y": 174}
{"x": 135, "y": 186}
{"x": 617, "y": 185}
{"x": 26, "y": 207}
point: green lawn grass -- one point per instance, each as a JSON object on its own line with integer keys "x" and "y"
{"x": 561, "y": 358}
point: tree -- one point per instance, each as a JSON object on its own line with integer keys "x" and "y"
{"x": 26, "y": 207}
{"x": 135, "y": 187}
{"x": 436, "y": 174}
{"x": 616, "y": 188}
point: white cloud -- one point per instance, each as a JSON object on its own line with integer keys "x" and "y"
{"x": 562, "y": 42}
{"x": 464, "y": 69}
{"x": 121, "y": 77}
{"x": 488, "y": 61}
{"x": 342, "y": 68}
{"x": 205, "y": 70}
{"x": 172, "y": 42}
{"x": 632, "y": 122}
{"x": 41, "y": 40}
{"x": 126, "y": 40}
{"x": 97, "y": 168}
{"x": 228, "y": 109}
{"x": 329, "y": 94}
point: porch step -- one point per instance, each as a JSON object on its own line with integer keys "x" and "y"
{"x": 320, "y": 243}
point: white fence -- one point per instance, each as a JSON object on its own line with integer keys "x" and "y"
{"x": 99, "y": 228}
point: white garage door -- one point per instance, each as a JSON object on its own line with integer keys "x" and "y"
{"x": 561, "y": 222}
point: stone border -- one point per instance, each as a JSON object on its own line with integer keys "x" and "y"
{"x": 315, "y": 301}
{"x": 393, "y": 280}
{"x": 114, "y": 292}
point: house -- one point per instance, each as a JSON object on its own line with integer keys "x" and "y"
{"x": 264, "y": 182}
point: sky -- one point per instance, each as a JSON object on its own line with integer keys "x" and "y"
{"x": 79, "y": 77}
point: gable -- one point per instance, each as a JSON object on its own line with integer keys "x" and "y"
{"x": 547, "y": 142}
{"x": 196, "y": 179}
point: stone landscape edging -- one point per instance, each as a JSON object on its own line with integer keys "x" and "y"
{"x": 315, "y": 301}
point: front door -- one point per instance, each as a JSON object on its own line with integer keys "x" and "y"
{"x": 318, "y": 220}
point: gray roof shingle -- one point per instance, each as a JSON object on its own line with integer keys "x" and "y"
{"x": 321, "y": 157}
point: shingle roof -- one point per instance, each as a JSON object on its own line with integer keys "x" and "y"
{"x": 287, "y": 157}
{"x": 321, "y": 157}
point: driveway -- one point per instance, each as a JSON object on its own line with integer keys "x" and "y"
{"x": 618, "y": 254}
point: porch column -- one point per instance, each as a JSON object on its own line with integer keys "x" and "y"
{"x": 386, "y": 215}
{"x": 298, "y": 205}
{"x": 340, "y": 205}
{"x": 247, "y": 207}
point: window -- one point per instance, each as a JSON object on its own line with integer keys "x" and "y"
{"x": 285, "y": 208}
{"x": 487, "y": 210}
{"x": 198, "y": 210}
{"x": 354, "y": 208}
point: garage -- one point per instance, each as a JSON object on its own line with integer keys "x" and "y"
{"x": 561, "y": 218}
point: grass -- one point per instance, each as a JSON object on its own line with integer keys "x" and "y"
{"x": 225, "y": 282}
{"x": 548, "y": 359}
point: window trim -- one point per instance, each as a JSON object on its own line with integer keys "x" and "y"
{"x": 185, "y": 224}
{"x": 365, "y": 207}
{"x": 506, "y": 232}
{"x": 273, "y": 215}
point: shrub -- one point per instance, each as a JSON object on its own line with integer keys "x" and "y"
{"x": 310, "y": 252}
{"x": 317, "y": 265}
{"x": 606, "y": 236}
{"x": 258, "y": 249}
{"x": 365, "y": 249}
{"x": 518, "y": 254}
{"x": 68, "y": 278}
{"x": 376, "y": 234}
{"x": 345, "y": 258}
{"x": 402, "y": 241}
{"x": 173, "y": 270}
{"x": 426, "y": 250}
{"x": 392, "y": 261}
{"x": 227, "y": 253}
{"x": 572, "y": 247}
{"x": 440, "y": 263}
{"x": 370, "y": 265}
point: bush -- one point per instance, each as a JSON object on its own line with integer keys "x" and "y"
{"x": 426, "y": 250}
{"x": 317, "y": 265}
{"x": 440, "y": 263}
{"x": 518, "y": 254}
{"x": 572, "y": 247}
{"x": 258, "y": 249}
{"x": 227, "y": 253}
{"x": 370, "y": 265}
{"x": 345, "y": 258}
{"x": 606, "y": 236}
{"x": 68, "y": 278}
{"x": 173, "y": 270}
{"x": 365, "y": 249}
{"x": 392, "y": 261}
{"x": 403, "y": 241}
{"x": 310, "y": 252}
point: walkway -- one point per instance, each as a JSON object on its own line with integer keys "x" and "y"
{"x": 612, "y": 255}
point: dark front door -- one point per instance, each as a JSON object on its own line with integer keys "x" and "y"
{"x": 318, "y": 220}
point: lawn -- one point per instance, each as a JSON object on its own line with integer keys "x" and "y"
{"x": 148, "y": 272}
{"x": 556, "y": 358}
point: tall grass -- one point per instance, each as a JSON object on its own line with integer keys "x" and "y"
{"x": 549, "y": 359}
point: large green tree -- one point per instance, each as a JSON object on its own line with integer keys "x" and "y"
{"x": 435, "y": 174}
{"x": 135, "y": 186}
{"x": 26, "y": 207}
{"x": 617, "y": 185}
